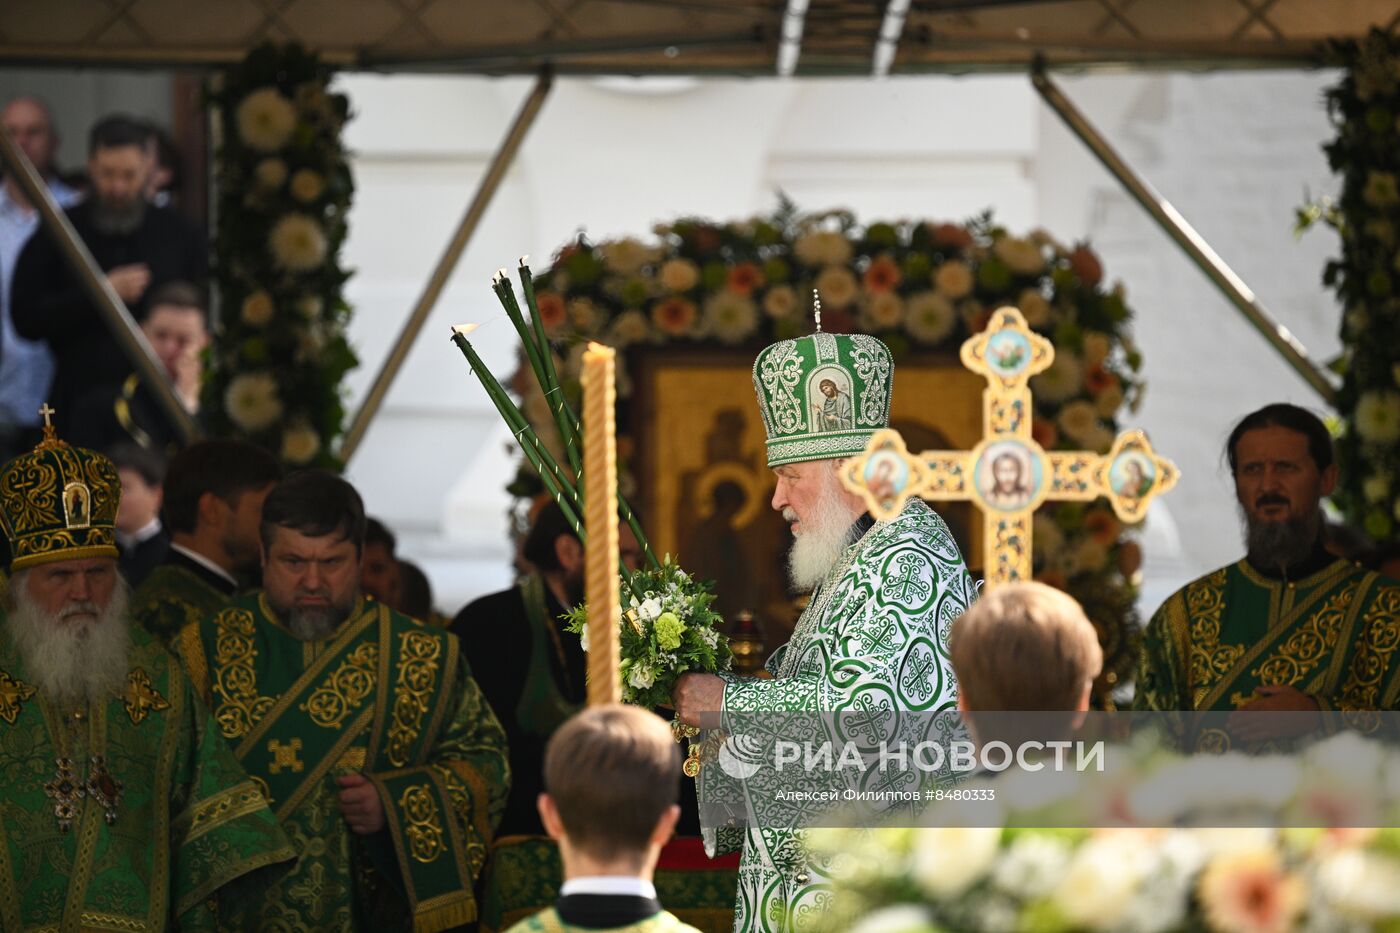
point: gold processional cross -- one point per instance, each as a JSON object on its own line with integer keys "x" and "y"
{"x": 1008, "y": 475}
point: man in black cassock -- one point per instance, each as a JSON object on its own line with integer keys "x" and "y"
{"x": 139, "y": 246}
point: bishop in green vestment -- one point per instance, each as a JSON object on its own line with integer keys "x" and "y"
{"x": 212, "y": 506}
{"x": 873, "y": 640}
{"x": 1289, "y": 628}
{"x": 365, "y": 729}
{"x": 121, "y": 808}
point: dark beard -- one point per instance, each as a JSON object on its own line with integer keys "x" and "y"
{"x": 1281, "y": 544}
{"x": 117, "y": 219}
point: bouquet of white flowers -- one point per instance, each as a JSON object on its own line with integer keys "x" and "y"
{"x": 669, "y": 628}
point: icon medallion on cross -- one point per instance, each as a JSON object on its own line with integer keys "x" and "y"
{"x": 1008, "y": 475}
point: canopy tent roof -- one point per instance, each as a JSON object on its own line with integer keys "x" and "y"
{"x": 838, "y": 37}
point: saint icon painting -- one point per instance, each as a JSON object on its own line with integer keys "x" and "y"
{"x": 1132, "y": 474}
{"x": 76, "y": 505}
{"x": 832, "y": 407}
{"x": 1008, "y": 354}
{"x": 1007, "y": 476}
{"x": 886, "y": 475}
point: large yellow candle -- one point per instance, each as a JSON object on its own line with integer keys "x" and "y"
{"x": 600, "y": 521}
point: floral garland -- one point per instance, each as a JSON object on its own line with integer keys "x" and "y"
{"x": 947, "y": 876}
{"x": 914, "y": 284}
{"x": 284, "y": 189}
{"x": 1365, "y": 109}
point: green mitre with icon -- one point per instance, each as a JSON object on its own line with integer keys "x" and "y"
{"x": 823, "y": 396}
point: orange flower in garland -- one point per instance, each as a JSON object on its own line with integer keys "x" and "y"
{"x": 1102, "y": 526}
{"x": 553, "y": 314}
{"x": 1098, "y": 380}
{"x": 744, "y": 278}
{"x": 674, "y": 316}
{"x": 950, "y": 236}
{"x": 882, "y": 275}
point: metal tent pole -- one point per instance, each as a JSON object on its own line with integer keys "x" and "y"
{"x": 1192, "y": 243}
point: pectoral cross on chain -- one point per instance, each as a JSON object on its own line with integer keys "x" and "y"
{"x": 1008, "y": 475}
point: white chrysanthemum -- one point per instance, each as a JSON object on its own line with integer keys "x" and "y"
{"x": 627, "y": 256}
{"x": 1099, "y": 888}
{"x": 298, "y": 243}
{"x": 628, "y": 328}
{"x": 884, "y": 310}
{"x": 251, "y": 401}
{"x": 1032, "y": 866}
{"x": 679, "y": 275}
{"x": 1063, "y": 380}
{"x": 641, "y": 675}
{"x": 837, "y": 287}
{"x": 300, "y": 443}
{"x": 310, "y": 307}
{"x": 270, "y": 174}
{"x": 586, "y": 317}
{"x": 947, "y": 860}
{"x": 1077, "y": 419}
{"x": 1034, "y": 308}
{"x": 953, "y": 279}
{"x": 310, "y": 342}
{"x": 1378, "y": 416}
{"x": 1099, "y": 439}
{"x": 730, "y": 317}
{"x": 307, "y": 185}
{"x": 257, "y": 309}
{"x": 266, "y": 120}
{"x": 1362, "y": 886}
{"x": 823, "y": 248}
{"x": 1376, "y": 487}
{"x": 1096, "y": 347}
{"x": 931, "y": 317}
{"x": 903, "y": 918}
{"x": 583, "y": 638}
{"x": 780, "y": 301}
{"x": 1109, "y": 401}
{"x": 1021, "y": 256}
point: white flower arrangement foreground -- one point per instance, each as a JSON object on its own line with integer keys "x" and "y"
{"x": 1135, "y": 879}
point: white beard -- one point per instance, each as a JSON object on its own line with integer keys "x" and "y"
{"x": 821, "y": 538}
{"x": 73, "y": 661}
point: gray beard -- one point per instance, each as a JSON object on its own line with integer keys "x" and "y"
{"x": 824, "y": 538}
{"x": 1281, "y": 544}
{"x": 315, "y": 624}
{"x": 116, "y": 219}
{"x": 73, "y": 663}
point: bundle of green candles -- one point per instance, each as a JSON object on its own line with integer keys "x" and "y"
{"x": 563, "y": 480}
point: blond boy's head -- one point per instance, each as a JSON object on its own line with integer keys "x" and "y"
{"x": 1025, "y": 646}
{"x": 611, "y": 780}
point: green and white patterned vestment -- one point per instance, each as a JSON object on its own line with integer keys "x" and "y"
{"x": 873, "y": 639}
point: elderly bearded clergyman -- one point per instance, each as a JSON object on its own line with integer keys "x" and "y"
{"x": 123, "y": 808}
{"x": 875, "y": 633}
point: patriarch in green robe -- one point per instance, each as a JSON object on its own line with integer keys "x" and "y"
{"x": 364, "y": 728}
{"x": 1290, "y": 627}
{"x": 121, "y": 807}
{"x": 610, "y": 778}
{"x": 214, "y": 493}
{"x": 873, "y": 638}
